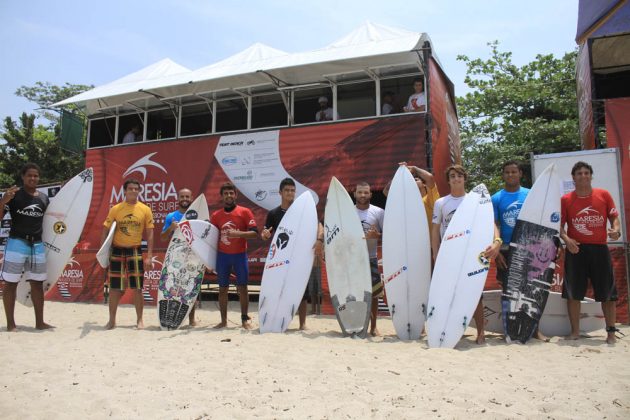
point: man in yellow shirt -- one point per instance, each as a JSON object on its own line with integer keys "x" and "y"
{"x": 126, "y": 263}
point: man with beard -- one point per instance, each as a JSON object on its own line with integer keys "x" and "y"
{"x": 24, "y": 252}
{"x": 443, "y": 212}
{"x": 507, "y": 205}
{"x": 237, "y": 225}
{"x": 372, "y": 222}
{"x": 126, "y": 263}
{"x": 184, "y": 199}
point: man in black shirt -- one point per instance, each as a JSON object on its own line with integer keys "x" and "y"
{"x": 287, "y": 196}
{"x": 24, "y": 255}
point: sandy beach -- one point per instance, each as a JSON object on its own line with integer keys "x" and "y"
{"x": 79, "y": 370}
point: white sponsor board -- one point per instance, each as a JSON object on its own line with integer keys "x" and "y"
{"x": 252, "y": 163}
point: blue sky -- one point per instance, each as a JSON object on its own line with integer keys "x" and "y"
{"x": 95, "y": 42}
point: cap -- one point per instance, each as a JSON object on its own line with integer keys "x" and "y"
{"x": 322, "y": 99}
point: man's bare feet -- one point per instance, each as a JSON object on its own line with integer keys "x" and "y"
{"x": 110, "y": 325}
{"x": 247, "y": 325}
{"x": 140, "y": 324}
{"x": 303, "y": 327}
{"x": 611, "y": 339}
{"x": 220, "y": 325}
{"x": 572, "y": 337}
{"x": 43, "y": 326}
{"x": 374, "y": 332}
{"x": 192, "y": 322}
{"x": 542, "y": 337}
{"x": 481, "y": 339}
{"x": 12, "y": 328}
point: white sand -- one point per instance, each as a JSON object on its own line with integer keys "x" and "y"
{"x": 79, "y": 370}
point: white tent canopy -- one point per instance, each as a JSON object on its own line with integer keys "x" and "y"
{"x": 371, "y": 48}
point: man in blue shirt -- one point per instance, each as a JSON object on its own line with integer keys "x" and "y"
{"x": 184, "y": 199}
{"x": 507, "y": 205}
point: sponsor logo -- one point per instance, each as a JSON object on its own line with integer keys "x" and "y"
{"x": 249, "y": 176}
{"x": 59, "y": 228}
{"x": 457, "y": 235}
{"x": 192, "y": 215}
{"x": 261, "y": 195}
{"x": 555, "y": 217}
{"x": 395, "y": 274}
{"x": 32, "y": 211}
{"x": 152, "y": 274}
{"x": 187, "y": 232}
{"x": 52, "y": 247}
{"x": 586, "y": 219}
{"x": 282, "y": 240}
{"x": 206, "y": 232}
{"x": 86, "y": 176}
{"x": 331, "y": 233}
{"x": 71, "y": 277}
{"x": 231, "y": 143}
{"x": 481, "y": 258}
{"x": 511, "y": 213}
{"x": 272, "y": 251}
{"x": 141, "y": 166}
{"x": 277, "y": 264}
{"x": 224, "y": 230}
{"x": 474, "y": 273}
{"x": 229, "y": 160}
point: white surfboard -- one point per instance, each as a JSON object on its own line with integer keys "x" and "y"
{"x": 62, "y": 226}
{"x": 182, "y": 273}
{"x": 460, "y": 269}
{"x": 554, "y": 321}
{"x": 288, "y": 265}
{"x": 406, "y": 256}
{"x": 203, "y": 238}
{"x": 347, "y": 262}
{"x": 102, "y": 256}
{"x": 532, "y": 256}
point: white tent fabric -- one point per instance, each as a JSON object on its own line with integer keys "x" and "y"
{"x": 369, "y": 46}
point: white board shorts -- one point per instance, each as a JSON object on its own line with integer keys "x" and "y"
{"x": 23, "y": 260}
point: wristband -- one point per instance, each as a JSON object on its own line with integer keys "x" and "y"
{"x": 499, "y": 240}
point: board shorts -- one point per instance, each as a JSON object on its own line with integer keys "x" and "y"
{"x": 591, "y": 262}
{"x": 21, "y": 256}
{"x": 227, "y": 263}
{"x": 312, "y": 287}
{"x": 502, "y": 275}
{"x": 377, "y": 282}
{"x": 126, "y": 269}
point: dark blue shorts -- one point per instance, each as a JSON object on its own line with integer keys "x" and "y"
{"x": 226, "y": 263}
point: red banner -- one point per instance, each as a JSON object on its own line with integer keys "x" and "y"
{"x": 366, "y": 150}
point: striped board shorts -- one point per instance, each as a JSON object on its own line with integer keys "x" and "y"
{"x": 126, "y": 269}
{"x": 377, "y": 282}
{"x": 23, "y": 260}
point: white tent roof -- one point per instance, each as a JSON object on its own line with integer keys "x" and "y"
{"x": 369, "y": 46}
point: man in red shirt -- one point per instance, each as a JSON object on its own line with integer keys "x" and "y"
{"x": 236, "y": 224}
{"x": 585, "y": 211}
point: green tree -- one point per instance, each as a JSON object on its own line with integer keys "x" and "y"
{"x": 26, "y": 142}
{"x": 46, "y": 94}
{"x": 515, "y": 111}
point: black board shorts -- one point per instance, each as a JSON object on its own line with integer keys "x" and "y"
{"x": 591, "y": 262}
